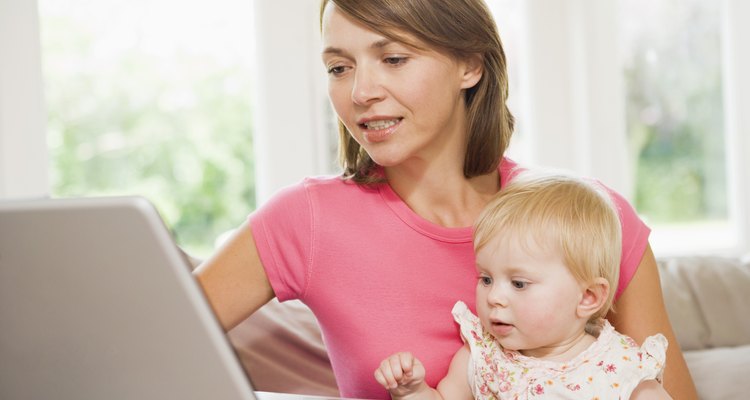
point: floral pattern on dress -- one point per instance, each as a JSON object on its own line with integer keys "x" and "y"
{"x": 610, "y": 368}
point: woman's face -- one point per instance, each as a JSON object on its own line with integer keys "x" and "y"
{"x": 400, "y": 103}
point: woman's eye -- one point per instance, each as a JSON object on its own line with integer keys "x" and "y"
{"x": 336, "y": 70}
{"x": 394, "y": 60}
{"x": 519, "y": 284}
{"x": 486, "y": 280}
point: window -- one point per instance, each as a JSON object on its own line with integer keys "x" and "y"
{"x": 648, "y": 98}
{"x": 152, "y": 97}
{"x": 671, "y": 51}
{"x": 574, "y": 101}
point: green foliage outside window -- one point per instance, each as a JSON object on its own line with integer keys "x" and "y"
{"x": 174, "y": 128}
{"x": 675, "y": 109}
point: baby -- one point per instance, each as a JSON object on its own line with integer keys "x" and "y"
{"x": 547, "y": 258}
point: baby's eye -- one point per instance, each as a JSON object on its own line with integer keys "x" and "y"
{"x": 519, "y": 284}
{"x": 485, "y": 280}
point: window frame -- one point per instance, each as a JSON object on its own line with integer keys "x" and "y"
{"x": 24, "y": 162}
{"x": 736, "y": 86}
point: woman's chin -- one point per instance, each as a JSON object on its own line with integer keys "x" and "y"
{"x": 386, "y": 160}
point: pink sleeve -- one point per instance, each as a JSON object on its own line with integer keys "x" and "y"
{"x": 634, "y": 240}
{"x": 282, "y": 229}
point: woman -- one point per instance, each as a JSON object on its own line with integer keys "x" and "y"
{"x": 420, "y": 90}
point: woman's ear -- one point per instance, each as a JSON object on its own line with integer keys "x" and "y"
{"x": 473, "y": 67}
{"x": 593, "y": 297}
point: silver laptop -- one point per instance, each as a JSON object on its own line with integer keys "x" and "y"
{"x": 96, "y": 302}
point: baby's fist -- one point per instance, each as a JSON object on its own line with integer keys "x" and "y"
{"x": 401, "y": 374}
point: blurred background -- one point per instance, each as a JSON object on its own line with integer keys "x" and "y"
{"x": 207, "y": 108}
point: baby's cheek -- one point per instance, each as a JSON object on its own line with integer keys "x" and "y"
{"x": 542, "y": 318}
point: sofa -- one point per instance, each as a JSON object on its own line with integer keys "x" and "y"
{"x": 707, "y": 299}
{"x": 281, "y": 348}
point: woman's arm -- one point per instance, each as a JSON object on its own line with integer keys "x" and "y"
{"x": 640, "y": 312}
{"x": 234, "y": 280}
{"x": 650, "y": 390}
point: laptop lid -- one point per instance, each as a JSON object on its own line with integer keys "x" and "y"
{"x": 96, "y": 302}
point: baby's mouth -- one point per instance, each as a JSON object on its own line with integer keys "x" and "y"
{"x": 501, "y": 328}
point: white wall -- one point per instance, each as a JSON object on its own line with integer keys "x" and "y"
{"x": 574, "y": 107}
{"x": 290, "y": 102}
{"x": 23, "y": 149}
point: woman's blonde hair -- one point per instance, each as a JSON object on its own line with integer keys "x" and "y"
{"x": 564, "y": 213}
{"x": 462, "y": 28}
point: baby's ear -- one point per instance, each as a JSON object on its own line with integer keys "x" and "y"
{"x": 593, "y": 297}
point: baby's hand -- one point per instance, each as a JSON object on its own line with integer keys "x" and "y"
{"x": 402, "y": 374}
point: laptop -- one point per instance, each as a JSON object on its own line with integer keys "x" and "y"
{"x": 97, "y": 302}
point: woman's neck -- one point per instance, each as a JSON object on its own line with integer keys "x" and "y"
{"x": 443, "y": 195}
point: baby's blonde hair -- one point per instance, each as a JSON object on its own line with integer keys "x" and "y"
{"x": 566, "y": 214}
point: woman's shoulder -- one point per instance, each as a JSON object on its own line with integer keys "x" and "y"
{"x": 333, "y": 187}
{"x": 508, "y": 169}
{"x": 319, "y": 191}
{"x": 328, "y": 182}
{"x": 324, "y": 184}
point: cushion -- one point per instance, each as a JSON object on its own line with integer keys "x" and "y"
{"x": 718, "y": 373}
{"x": 282, "y": 350}
{"x": 706, "y": 298}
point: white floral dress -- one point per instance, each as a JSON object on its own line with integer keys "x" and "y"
{"x": 609, "y": 369}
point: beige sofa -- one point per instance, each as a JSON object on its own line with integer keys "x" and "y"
{"x": 707, "y": 299}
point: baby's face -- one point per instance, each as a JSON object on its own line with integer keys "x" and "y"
{"x": 526, "y": 296}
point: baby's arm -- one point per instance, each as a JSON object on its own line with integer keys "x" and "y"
{"x": 403, "y": 375}
{"x": 650, "y": 390}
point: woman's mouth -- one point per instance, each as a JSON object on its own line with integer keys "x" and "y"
{"x": 378, "y": 130}
{"x": 380, "y": 124}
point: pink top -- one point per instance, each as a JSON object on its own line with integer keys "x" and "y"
{"x": 378, "y": 277}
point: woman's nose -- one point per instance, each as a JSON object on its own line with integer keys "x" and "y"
{"x": 367, "y": 88}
